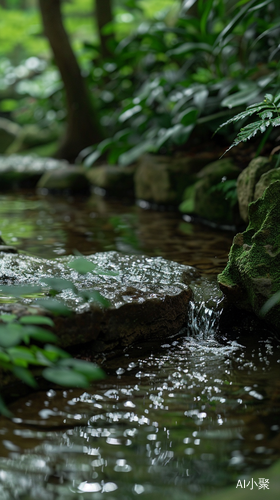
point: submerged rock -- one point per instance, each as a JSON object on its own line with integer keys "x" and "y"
{"x": 148, "y": 297}
{"x": 252, "y": 275}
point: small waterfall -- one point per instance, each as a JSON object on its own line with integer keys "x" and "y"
{"x": 204, "y": 309}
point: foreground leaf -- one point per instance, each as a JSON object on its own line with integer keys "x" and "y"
{"x": 89, "y": 370}
{"x": 36, "y": 320}
{"x": 82, "y": 265}
{"x": 66, "y": 377}
{"x": 25, "y": 375}
{"x": 20, "y": 290}
{"x": 54, "y": 306}
{"x": 10, "y": 335}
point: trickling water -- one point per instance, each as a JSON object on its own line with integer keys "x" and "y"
{"x": 204, "y": 309}
{"x": 169, "y": 421}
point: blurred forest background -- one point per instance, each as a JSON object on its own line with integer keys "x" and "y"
{"x": 117, "y": 78}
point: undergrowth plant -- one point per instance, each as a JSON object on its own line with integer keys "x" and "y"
{"x": 25, "y": 343}
{"x": 166, "y": 80}
{"x": 268, "y": 112}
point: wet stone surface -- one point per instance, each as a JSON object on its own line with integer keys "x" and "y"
{"x": 148, "y": 297}
{"x": 17, "y": 170}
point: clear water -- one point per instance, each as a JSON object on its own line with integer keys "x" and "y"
{"x": 169, "y": 421}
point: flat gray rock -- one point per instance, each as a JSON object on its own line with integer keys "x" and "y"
{"x": 148, "y": 297}
{"x": 25, "y": 170}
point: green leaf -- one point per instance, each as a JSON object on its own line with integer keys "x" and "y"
{"x": 39, "y": 333}
{"x": 200, "y": 98}
{"x": 54, "y": 306}
{"x": 95, "y": 296}
{"x": 19, "y": 290}
{"x": 133, "y": 154}
{"x": 8, "y": 318}
{"x": 270, "y": 303}
{"x": 100, "y": 271}
{"x": 252, "y": 129}
{"x": 59, "y": 284}
{"x": 268, "y": 98}
{"x": 277, "y": 99}
{"x": 10, "y": 335}
{"x": 36, "y": 320}
{"x": 241, "y": 97}
{"x": 275, "y": 122}
{"x": 25, "y": 375}
{"x": 207, "y": 7}
{"x": 91, "y": 159}
{"x": 89, "y": 370}
{"x": 66, "y": 377}
{"x": 185, "y": 48}
{"x": 188, "y": 116}
{"x": 176, "y": 132}
{"x": 22, "y": 353}
{"x": 4, "y": 410}
{"x": 266, "y": 115}
{"x": 233, "y": 23}
{"x": 244, "y": 114}
{"x": 53, "y": 349}
{"x": 4, "y": 356}
{"x": 82, "y": 265}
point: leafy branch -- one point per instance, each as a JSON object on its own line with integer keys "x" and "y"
{"x": 268, "y": 112}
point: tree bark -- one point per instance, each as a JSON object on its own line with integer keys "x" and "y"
{"x": 104, "y": 15}
{"x": 83, "y": 128}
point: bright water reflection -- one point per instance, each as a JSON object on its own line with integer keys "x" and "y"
{"x": 49, "y": 226}
{"x": 164, "y": 425}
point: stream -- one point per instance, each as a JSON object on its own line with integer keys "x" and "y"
{"x": 175, "y": 420}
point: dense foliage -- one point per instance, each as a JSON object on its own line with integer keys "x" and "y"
{"x": 169, "y": 73}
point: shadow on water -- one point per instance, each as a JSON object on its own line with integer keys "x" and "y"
{"x": 169, "y": 421}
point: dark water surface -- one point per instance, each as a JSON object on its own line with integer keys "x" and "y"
{"x": 171, "y": 421}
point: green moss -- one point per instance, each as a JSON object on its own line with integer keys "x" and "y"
{"x": 254, "y": 259}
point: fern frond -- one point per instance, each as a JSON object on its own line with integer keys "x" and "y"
{"x": 266, "y": 115}
{"x": 250, "y": 131}
{"x": 275, "y": 122}
{"x": 255, "y": 108}
{"x": 266, "y": 110}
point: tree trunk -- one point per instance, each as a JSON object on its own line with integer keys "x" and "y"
{"x": 83, "y": 128}
{"x": 104, "y": 15}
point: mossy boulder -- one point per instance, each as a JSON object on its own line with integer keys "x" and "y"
{"x": 114, "y": 179}
{"x": 163, "y": 179}
{"x": 252, "y": 274}
{"x": 247, "y": 181}
{"x": 212, "y": 203}
{"x": 265, "y": 180}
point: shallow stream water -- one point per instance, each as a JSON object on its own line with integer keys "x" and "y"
{"x": 171, "y": 421}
